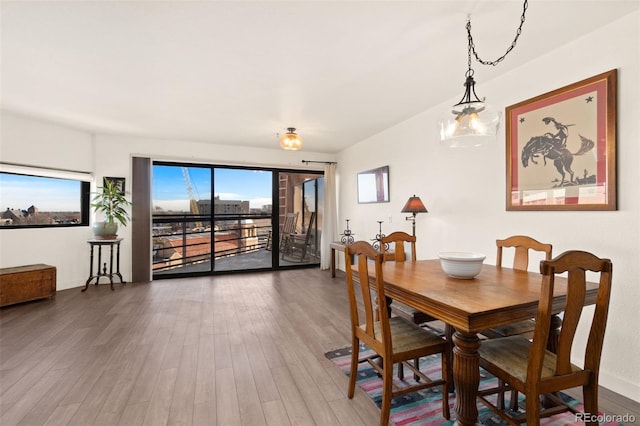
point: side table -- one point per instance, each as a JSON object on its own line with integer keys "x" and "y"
{"x": 111, "y": 244}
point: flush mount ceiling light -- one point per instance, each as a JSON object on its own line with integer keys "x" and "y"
{"x": 472, "y": 122}
{"x": 290, "y": 140}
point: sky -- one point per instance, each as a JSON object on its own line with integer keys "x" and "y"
{"x": 169, "y": 189}
{"x": 170, "y": 186}
{"x": 20, "y": 192}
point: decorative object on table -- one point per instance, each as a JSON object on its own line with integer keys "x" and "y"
{"x": 573, "y": 128}
{"x": 423, "y": 409}
{"x": 463, "y": 265}
{"x": 373, "y": 186}
{"x": 472, "y": 122}
{"x": 112, "y": 203}
{"x": 378, "y": 237}
{"x": 347, "y": 235}
{"x": 290, "y": 140}
{"x": 414, "y": 206}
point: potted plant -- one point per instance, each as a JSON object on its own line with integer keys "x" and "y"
{"x": 111, "y": 202}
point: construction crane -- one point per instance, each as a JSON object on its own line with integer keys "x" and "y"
{"x": 193, "y": 203}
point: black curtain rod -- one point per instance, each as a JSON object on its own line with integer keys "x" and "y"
{"x": 320, "y": 162}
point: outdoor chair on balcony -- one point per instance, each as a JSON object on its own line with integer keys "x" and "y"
{"x": 288, "y": 227}
{"x": 295, "y": 246}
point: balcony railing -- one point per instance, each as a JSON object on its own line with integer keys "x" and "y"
{"x": 182, "y": 240}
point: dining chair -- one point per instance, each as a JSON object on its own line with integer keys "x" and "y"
{"x": 393, "y": 340}
{"x": 529, "y": 367}
{"x": 521, "y": 244}
{"x": 295, "y": 245}
{"x": 394, "y": 247}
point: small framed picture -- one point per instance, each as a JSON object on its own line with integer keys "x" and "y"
{"x": 373, "y": 186}
{"x": 118, "y": 182}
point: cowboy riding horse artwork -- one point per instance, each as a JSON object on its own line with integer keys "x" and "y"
{"x": 561, "y": 148}
{"x": 552, "y": 147}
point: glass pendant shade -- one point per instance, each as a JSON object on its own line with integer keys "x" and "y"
{"x": 290, "y": 140}
{"x": 471, "y": 122}
{"x": 470, "y": 126}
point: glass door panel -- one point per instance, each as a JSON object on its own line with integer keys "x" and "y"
{"x": 181, "y": 230}
{"x": 242, "y": 212}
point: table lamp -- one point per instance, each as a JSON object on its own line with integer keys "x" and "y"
{"x": 414, "y": 206}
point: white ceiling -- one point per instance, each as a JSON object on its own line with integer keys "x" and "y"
{"x": 239, "y": 72}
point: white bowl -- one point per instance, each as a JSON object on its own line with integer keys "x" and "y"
{"x": 464, "y": 265}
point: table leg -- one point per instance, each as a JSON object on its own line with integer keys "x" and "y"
{"x": 333, "y": 262}
{"x": 118, "y": 264}
{"x": 98, "y": 275}
{"x": 466, "y": 376}
{"x": 111, "y": 267}
{"x": 86, "y": 285}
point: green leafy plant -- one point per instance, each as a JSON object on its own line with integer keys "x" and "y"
{"x": 111, "y": 203}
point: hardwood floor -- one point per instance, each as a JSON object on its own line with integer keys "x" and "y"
{"x": 232, "y": 350}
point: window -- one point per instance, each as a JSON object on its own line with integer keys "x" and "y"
{"x": 35, "y": 201}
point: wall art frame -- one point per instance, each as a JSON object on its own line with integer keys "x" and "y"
{"x": 561, "y": 148}
{"x": 373, "y": 186}
{"x": 118, "y": 182}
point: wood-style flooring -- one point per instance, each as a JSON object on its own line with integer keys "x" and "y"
{"x": 242, "y": 349}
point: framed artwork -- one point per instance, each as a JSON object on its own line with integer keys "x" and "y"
{"x": 373, "y": 186}
{"x": 117, "y": 181}
{"x": 561, "y": 148}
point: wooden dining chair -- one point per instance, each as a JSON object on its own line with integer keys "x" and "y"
{"x": 394, "y": 246}
{"x": 394, "y": 340}
{"x": 521, "y": 244}
{"x": 529, "y": 367}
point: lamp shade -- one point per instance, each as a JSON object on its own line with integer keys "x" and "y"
{"x": 414, "y": 205}
{"x": 290, "y": 140}
{"x": 471, "y": 126}
{"x": 471, "y": 122}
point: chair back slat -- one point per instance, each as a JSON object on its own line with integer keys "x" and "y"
{"x": 397, "y": 240}
{"x": 575, "y": 263}
{"x": 372, "y": 292}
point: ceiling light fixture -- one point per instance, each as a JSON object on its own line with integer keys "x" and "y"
{"x": 290, "y": 140}
{"x": 472, "y": 122}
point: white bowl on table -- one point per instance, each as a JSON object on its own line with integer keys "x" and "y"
{"x": 459, "y": 264}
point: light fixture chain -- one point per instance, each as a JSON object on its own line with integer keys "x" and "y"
{"x": 472, "y": 47}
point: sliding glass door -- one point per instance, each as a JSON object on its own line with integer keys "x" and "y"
{"x": 209, "y": 219}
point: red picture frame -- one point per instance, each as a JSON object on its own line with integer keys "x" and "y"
{"x": 561, "y": 148}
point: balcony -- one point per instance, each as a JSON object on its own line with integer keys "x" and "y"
{"x": 183, "y": 243}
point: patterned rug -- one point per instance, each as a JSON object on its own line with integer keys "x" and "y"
{"x": 424, "y": 408}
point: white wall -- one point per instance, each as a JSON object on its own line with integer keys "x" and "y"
{"x": 29, "y": 141}
{"x": 464, "y": 189}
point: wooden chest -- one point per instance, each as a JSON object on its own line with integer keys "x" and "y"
{"x": 25, "y": 283}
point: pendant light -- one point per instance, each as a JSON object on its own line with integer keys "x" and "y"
{"x": 472, "y": 122}
{"x": 290, "y": 140}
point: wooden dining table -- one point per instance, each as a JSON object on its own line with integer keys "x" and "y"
{"x": 497, "y": 296}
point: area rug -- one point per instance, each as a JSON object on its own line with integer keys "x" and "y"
{"x": 424, "y": 408}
